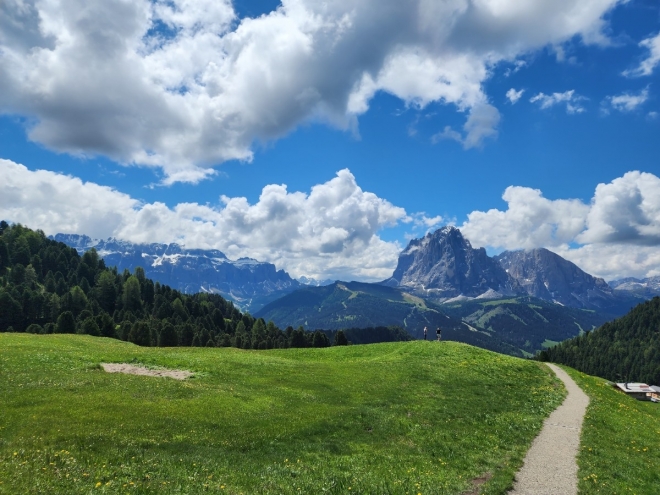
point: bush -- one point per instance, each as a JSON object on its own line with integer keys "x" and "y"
{"x": 34, "y": 328}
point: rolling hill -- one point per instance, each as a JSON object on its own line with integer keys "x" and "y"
{"x": 408, "y": 417}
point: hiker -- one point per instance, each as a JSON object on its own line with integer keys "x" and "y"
{"x": 424, "y": 333}
{"x": 438, "y": 332}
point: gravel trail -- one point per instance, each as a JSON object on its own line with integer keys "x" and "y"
{"x": 550, "y": 467}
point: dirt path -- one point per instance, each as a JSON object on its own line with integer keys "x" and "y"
{"x": 550, "y": 467}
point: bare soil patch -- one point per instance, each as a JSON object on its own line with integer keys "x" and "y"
{"x": 477, "y": 482}
{"x": 131, "y": 369}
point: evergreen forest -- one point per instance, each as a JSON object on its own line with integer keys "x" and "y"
{"x": 47, "y": 287}
{"x": 623, "y": 350}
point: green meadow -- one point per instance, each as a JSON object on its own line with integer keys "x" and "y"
{"x": 400, "y": 418}
{"x": 620, "y": 445}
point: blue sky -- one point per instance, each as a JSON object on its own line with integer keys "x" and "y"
{"x": 588, "y": 114}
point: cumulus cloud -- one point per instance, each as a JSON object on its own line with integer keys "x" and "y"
{"x": 627, "y": 210}
{"x": 616, "y": 235}
{"x": 331, "y": 232}
{"x": 530, "y": 221}
{"x": 183, "y": 86}
{"x": 648, "y": 65}
{"x": 514, "y": 95}
{"x": 571, "y": 100}
{"x": 627, "y": 102}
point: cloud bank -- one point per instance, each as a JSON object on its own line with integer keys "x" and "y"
{"x": 332, "y": 232}
{"x": 182, "y": 86}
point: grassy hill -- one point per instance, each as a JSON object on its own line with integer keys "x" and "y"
{"x": 620, "y": 444}
{"x": 409, "y": 417}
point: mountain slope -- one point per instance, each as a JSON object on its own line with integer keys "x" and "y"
{"x": 518, "y": 326}
{"x": 548, "y": 276}
{"x": 626, "y": 349}
{"x": 247, "y": 282}
{"x": 444, "y": 265}
{"x": 527, "y": 323}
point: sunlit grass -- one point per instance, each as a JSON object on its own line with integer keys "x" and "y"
{"x": 412, "y": 417}
{"x": 620, "y": 446}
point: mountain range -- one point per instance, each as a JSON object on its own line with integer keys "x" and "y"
{"x": 444, "y": 266}
{"x": 247, "y": 282}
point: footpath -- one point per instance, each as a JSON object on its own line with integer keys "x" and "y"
{"x": 550, "y": 467}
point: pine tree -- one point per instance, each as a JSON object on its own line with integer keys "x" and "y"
{"x": 66, "y": 323}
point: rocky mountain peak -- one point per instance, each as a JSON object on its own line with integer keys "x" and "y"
{"x": 444, "y": 264}
{"x": 548, "y": 276}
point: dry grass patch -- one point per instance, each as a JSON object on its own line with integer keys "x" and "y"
{"x": 131, "y": 369}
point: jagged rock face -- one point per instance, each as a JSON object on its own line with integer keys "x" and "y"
{"x": 244, "y": 281}
{"x": 445, "y": 264}
{"x": 550, "y": 277}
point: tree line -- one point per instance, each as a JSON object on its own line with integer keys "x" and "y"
{"x": 47, "y": 287}
{"x": 623, "y": 350}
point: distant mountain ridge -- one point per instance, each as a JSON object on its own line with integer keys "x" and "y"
{"x": 548, "y": 276}
{"x": 644, "y": 288}
{"x": 247, "y": 282}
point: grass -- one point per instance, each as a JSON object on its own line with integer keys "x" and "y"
{"x": 400, "y": 418}
{"x": 620, "y": 445}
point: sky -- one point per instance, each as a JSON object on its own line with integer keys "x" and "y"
{"x": 323, "y": 135}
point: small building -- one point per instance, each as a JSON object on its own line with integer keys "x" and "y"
{"x": 655, "y": 395}
{"x": 639, "y": 391}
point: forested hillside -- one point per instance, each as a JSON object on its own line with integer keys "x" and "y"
{"x": 47, "y": 287}
{"x": 624, "y": 350}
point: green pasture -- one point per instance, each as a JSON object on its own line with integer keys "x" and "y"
{"x": 400, "y": 418}
{"x": 620, "y": 445}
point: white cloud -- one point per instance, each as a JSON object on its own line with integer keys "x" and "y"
{"x": 648, "y": 65}
{"x": 530, "y": 221}
{"x": 616, "y": 235}
{"x": 627, "y": 102}
{"x": 571, "y": 100}
{"x": 332, "y": 232}
{"x": 627, "y": 210}
{"x": 514, "y": 95}
{"x": 184, "y": 85}
{"x": 481, "y": 124}
{"x": 614, "y": 261}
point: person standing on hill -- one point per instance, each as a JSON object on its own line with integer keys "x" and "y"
{"x": 425, "y": 333}
{"x": 438, "y": 332}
